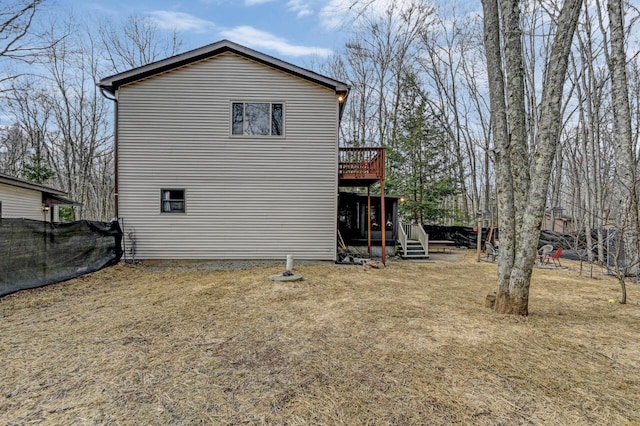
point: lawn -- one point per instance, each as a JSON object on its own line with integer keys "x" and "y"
{"x": 408, "y": 344}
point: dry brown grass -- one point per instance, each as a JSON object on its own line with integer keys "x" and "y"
{"x": 410, "y": 344}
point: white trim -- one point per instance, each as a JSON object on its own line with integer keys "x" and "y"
{"x": 258, "y": 101}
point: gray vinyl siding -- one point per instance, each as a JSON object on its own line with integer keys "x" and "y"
{"x": 246, "y": 197}
{"x": 20, "y": 202}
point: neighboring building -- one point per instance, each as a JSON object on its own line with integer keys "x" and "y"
{"x": 557, "y": 222}
{"x": 227, "y": 153}
{"x": 23, "y": 199}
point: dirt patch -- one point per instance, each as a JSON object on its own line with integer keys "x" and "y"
{"x": 408, "y": 344}
{"x": 450, "y": 255}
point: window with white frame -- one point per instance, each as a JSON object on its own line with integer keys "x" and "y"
{"x": 257, "y": 118}
{"x": 172, "y": 201}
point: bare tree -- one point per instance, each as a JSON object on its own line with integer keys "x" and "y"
{"x": 14, "y": 148}
{"x": 16, "y": 18}
{"x": 360, "y": 116}
{"x": 620, "y": 263}
{"x": 451, "y": 59}
{"x": 18, "y": 43}
{"x": 626, "y": 163}
{"x": 62, "y": 114}
{"x": 586, "y": 163}
{"x": 138, "y": 41}
{"x": 80, "y": 133}
{"x": 32, "y": 113}
{"x": 377, "y": 55}
{"x": 522, "y": 196}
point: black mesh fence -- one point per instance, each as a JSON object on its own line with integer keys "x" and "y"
{"x": 463, "y": 236}
{"x": 574, "y": 246}
{"x": 34, "y": 253}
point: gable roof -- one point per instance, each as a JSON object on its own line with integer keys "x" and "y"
{"x": 112, "y": 83}
{"x": 21, "y": 183}
{"x": 50, "y": 195}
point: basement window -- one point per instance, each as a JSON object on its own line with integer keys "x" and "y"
{"x": 257, "y": 118}
{"x": 172, "y": 201}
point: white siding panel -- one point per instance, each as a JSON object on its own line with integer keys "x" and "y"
{"x": 20, "y": 202}
{"x": 261, "y": 197}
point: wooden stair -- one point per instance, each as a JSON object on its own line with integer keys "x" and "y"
{"x": 414, "y": 242}
{"x": 414, "y": 250}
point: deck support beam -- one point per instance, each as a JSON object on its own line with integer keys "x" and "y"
{"x": 369, "y": 220}
{"x": 383, "y": 223}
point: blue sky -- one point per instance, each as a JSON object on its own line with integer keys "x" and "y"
{"x": 294, "y": 30}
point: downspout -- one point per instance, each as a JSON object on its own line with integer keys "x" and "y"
{"x": 115, "y": 149}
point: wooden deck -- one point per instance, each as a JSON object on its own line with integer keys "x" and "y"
{"x": 361, "y": 166}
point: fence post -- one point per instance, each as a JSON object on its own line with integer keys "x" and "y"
{"x": 479, "y": 244}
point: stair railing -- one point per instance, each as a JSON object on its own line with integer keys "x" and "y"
{"x": 403, "y": 236}
{"x": 413, "y": 231}
{"x": 423, "y": 237}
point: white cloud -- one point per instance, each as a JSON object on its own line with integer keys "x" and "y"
{"x": 181, "y": 21}
{"x": 300, "y": 7}
{"x": 103, "y": 10}
{"x": 254, "y": 2}
{"x": 258, "y": 39}
{"x": 336, "y": 13}
{"x": 343, "y": 12}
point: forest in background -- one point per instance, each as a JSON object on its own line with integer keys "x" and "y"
{"x": 419, "y": 87}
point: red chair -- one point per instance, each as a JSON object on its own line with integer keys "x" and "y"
{"x": 555, "y": 258}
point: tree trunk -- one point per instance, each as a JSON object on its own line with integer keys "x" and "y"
{"x": 499, "y": 126}
{"x": 522, "y": 197}
{"x": 623, "y": 145}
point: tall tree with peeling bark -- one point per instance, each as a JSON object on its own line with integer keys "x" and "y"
{"x": 522, "y": 175}
{"x": 626, "y": 163}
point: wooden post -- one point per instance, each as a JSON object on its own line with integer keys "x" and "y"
{"x": 478, "y": 248}
{"x": 369, "y": 219}
{"x": 383, "y": 223}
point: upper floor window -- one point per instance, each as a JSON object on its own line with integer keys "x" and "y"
{"x": 257, "y": 118}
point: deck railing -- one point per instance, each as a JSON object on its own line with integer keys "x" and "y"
{"x": 361, "y": 163}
